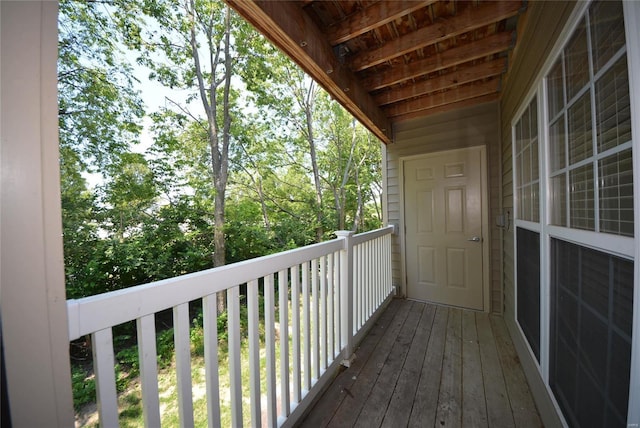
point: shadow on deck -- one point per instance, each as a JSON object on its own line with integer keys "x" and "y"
{"x": 423, "y": 365}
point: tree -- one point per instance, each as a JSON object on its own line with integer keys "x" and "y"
{"x": 194, "y": 45}
{"x": 99, "y": 115}
{"x": 99, "y": 108}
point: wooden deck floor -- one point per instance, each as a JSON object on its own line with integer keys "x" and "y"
{"x": 428, "y": 366}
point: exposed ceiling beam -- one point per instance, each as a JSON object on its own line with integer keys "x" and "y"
{"x": 448, "y": 107}
{"x": 293, "y": 31}
{"x": 465, "y": 53}
{"x": 469, "y": 19}
{"x": 455, "y": 95}
{"x": 454, "y": 78}
{"x": 372, "y": 17}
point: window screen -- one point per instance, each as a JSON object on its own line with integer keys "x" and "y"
{"x": 590, "y": 127}
{"x": 528, "y": 278}
{"x": 590, "y": 349}
{"x": 527, "y": 164}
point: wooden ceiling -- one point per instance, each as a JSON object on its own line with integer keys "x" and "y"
{"x": 389, "y": 61}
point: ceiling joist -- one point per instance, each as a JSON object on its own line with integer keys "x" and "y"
{"x": 460, "y": 76}
{"x": 371, "y": 18}
{"x": 447, "y": 107}
{"x": 457, "y": 94}
{"x": 488, "y": 46}
{"x": 469, "y": 19}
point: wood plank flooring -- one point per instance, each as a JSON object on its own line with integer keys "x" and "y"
{"x": 423, "y": 365}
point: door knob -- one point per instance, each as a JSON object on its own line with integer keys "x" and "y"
{"x": 475, "y": 239}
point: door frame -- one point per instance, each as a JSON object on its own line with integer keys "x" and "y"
{"x": 486, "y": 230}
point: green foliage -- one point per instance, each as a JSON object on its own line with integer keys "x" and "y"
{"x": 83, "y": 386}
{"x": 99, "y": 106}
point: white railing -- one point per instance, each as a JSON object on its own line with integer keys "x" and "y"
{"x": 330, "y": 292}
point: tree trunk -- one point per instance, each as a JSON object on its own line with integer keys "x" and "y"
{"x": 308, "y": 110}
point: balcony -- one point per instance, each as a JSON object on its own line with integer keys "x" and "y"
{"x": 326, "y": 296}
{"x": 341, "y": 351}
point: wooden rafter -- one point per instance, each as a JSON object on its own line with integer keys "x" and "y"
{"x": 469, "y": 19}
{"x": 488, "y": 46}
{"x": 372, "y": 17}
{"x": 447, "y": 107}
{"x": 449, "y": 80}
{"x": 293, "y": 31}
{"x": 455, "y": 95}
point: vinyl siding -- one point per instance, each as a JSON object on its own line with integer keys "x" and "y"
{"x": 470, "y": 127}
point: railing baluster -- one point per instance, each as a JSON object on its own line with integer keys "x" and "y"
{"x": 323, "y": 315}
{"x": 295, "y": 328}
{"x": 103, "y": 361}
{"x": 365, "y": 281}
{"x": 380, "y": 270}
{"x": 336, "y": 305}
{"x": 375, "y": 273}
{"x": 369, "y": 282}
{"x": 269, "y": 328}
{"x": 183, "y": 363}
{"x": 254, "y": 352}
{"x": 283, "y": 290}
{"x": 147, "y": 355}
{"x": 235, "y": 356}
{"x": 358, "y": 288}
{"x": 306, "y": 317}
{"x": 210, "y": 325}
{"x": 330, "y": 310}
{"x": 316, "y": 319}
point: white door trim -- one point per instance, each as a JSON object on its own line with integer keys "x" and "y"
{"x": 486, "y": 230}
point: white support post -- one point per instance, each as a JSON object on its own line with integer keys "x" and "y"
{"x": 33, "y": 304}
{"x": 346, "y": 289}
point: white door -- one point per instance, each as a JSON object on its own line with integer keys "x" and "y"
{"x": 443, "y": 203}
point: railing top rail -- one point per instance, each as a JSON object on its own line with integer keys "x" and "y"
{"x": 373, "y": 234}
{"x": 94, "y": 313}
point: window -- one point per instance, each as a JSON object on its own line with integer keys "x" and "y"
{"x": 528, "y": 176}
{"x": 591, "y": 178}
{"x": 528, "y": 279}
{"x": 590, "y": 350}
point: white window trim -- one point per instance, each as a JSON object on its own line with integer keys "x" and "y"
{"x": 621, "y": 246}
{"x": 632, "y": 29}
